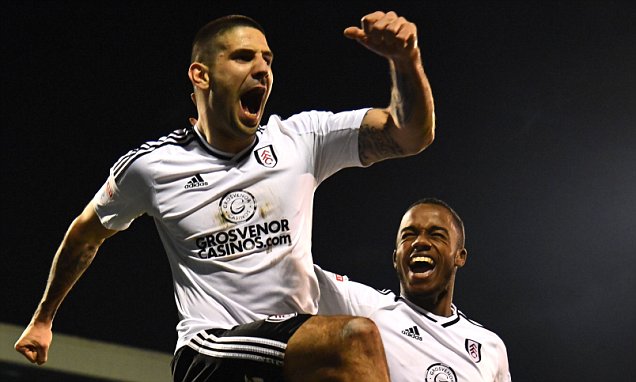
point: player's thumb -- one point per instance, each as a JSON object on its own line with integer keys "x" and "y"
{"x": 354, "y": 33}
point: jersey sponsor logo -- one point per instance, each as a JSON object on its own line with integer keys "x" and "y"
{"x": 196, "y": 181}
{"x": 237, "y": 206}
{"x": 280, "y": 317}
{"x": 234, "y": 241}
{"x": 266, "y": 156}
{"x": 412, "y": 332}
{"x": 440, "y": 373}
{"x": 474, "y": 349}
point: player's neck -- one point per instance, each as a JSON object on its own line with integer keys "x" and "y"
{"x": 437, "y": 303}
{"x": 227, "y": 143}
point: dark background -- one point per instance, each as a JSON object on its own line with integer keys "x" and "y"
{"x": 535, "y": 148}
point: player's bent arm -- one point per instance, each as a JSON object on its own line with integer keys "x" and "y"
{"x": 407, "y": 125}
{"x": 74, "y": 255}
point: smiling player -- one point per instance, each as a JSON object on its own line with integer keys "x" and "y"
{"x": 426, "y": 338}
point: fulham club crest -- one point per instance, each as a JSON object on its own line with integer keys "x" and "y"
{"x": 474, "y": 350}
{"x": 266, "y": 156}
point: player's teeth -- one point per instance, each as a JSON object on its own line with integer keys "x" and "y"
{"x": 422, "y": 259}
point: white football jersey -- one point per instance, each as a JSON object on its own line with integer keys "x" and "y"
{"x": 236, "y": 228}
{"x": 419, "y": 345}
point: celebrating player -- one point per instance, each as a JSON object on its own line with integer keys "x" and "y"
{"x": 232, "y": 202}
{"x": 426, "y": 338}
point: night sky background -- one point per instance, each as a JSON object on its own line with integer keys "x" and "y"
{"x": 535, "y": 149}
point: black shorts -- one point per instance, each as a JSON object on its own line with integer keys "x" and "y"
{"x": 251, "y": 352}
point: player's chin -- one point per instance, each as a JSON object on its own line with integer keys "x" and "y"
{"x": 421, "y": 283}
{"x": 247, "y": 125}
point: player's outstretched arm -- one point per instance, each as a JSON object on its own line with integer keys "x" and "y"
{"x": 407, "y": 125}
{"x": 78, "y": 248}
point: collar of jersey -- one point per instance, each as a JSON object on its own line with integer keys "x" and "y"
{"x": 444, "y": 321}
{"x": 222, "y": 154}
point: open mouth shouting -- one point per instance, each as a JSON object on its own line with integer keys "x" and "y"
{"x": 421, "y": 265}
{"x": 251, "y": 105}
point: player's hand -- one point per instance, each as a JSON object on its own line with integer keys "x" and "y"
{"x": 34, "y": 342}
{"x": 386, "y": 34}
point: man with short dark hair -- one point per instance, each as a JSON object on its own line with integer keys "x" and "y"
{"x": 425, "y": 336}
{"x": 232, "y": 202}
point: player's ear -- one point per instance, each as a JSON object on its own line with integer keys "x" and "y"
{"x": 394, "y": 259}
{"x": 199, "y": 76}
{"x": 460, "y": 257}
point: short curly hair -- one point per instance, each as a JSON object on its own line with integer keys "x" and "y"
{"x": 461, "y": 240}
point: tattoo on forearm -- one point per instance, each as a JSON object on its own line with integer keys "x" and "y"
{"x": 67, "y": 270}
{"x": 376, "y": 143}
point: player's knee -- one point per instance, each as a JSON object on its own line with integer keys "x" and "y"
{"x": 360, "y": 330}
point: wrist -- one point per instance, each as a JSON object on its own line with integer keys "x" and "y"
{"x": 409, "y": 59}
{"x": 42, "y": 317}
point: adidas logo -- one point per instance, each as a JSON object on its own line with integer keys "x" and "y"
{"x": 196, "y": 181}
{"x": 412, "y": 332}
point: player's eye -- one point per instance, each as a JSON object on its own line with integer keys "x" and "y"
{"x": 438, "y": 235}
{"x": 243, "y": 56}
{"x": 407, "y": 235}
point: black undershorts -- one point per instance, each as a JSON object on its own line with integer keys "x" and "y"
{"x": 251, "y": 352}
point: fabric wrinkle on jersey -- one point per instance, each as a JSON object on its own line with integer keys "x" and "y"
{"x": 419, "y": 345}
{"x": 236, "y": 228}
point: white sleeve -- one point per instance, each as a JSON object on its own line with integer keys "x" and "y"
{"x": 339, "y": 295}
{"x": 331, "y": 139}
{"x": 122, "y": 199}
{"x": 503, "y": 374}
